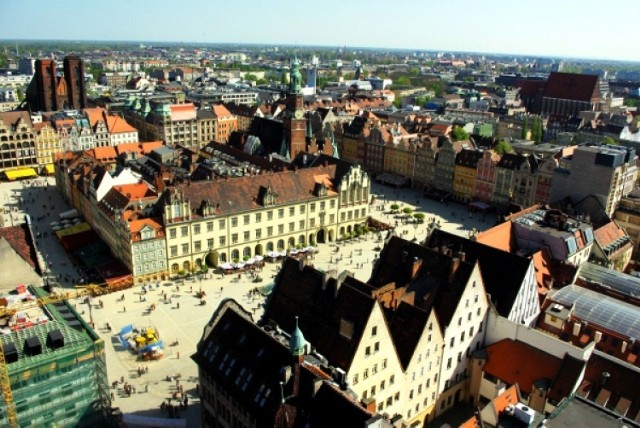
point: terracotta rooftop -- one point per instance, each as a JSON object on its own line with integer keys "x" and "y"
{"x": 118, "y": 125}
{"x": 220, "y": 111}
{"x": 20, "y": 240}
{"x": 572, "y": 86}
{"x": 516, "y": 362}
{"x": 180, "y": 112}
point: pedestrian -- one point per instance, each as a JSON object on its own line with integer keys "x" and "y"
{"x": 124, "y": 309}
{"x": 178, "y": 355}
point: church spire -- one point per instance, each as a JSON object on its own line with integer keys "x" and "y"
{"x": 295, "y": 80}
{"x": 297, "y": 343}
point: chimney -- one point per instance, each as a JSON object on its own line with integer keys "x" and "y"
{"x": 455, "y": 263}
{"x": 370, "y": 405}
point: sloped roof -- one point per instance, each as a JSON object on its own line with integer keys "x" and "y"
{"x": 94, "y": 114}
{"x": 321, "y": 303}
{"x": 572, "y": 86}
{"x": 241, "y": 193}
{"x": 19, "y": 238}
{"x": 517, "y": 362}
{"x": 608, "y": 233}
{"x": 118, "y": 125}
{"x": 502, "y": 272}
{"x": 406, "y": 324}
{"x": 135, "y": 226}
{"x": 12, "y": 117}
{"x": 183, "y": 112}
{"x": 221, "y": 111}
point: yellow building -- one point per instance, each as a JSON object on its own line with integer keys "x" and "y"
{"x": 222, "y": 221}
{"x": 47, "y": 143}
{"x": 465, "y": 173}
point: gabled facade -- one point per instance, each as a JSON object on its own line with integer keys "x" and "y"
{"x": 486, "y": 176}
{"x": 445, "y": 166}
{"x": 17, "y": 141}
{"x": 426, "y": 156}
{"x": 465, "y": 174}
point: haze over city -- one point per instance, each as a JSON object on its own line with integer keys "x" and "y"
{"x": 568, "y": 29}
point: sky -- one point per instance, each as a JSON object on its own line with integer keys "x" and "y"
{"x": 558, "y": 28}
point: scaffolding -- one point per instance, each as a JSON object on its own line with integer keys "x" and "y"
{"x": 50, "y": 382}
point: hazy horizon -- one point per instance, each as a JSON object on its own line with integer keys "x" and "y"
{"x": 568, "y": 29}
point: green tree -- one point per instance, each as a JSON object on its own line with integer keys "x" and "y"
{"x": 503, "y": 147}
{"x": 407, "y": 210}
{"x": 251, "y": 77}
{"x": 631, "y": 102}
{"x": 536, "y": 129}
{"x": 609, "y": 141}
{"x": 459, "y": 134}
{"x": 403, "y": 81}
{"x": 525, "y": 128}
{"x": 397, "y": 102}
{"x": 419, "y": 217}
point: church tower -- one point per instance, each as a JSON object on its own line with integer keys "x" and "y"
{"x": 294, "y": 123}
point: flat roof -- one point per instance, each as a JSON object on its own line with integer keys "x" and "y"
{"x": 609, "y": 278}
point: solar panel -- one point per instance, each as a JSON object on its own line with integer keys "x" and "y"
{"x": 601, "y": 310}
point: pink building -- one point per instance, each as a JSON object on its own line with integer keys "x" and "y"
{"x": 486, "y": 178}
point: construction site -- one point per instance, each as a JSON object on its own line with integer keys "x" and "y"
{"x": 52, "y": 365}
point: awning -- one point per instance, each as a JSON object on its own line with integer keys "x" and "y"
{"x": 50, "y": 168}
{"x": 20, "y": 173}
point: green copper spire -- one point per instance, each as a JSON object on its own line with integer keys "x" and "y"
{"x": 295, "y": 81}
{"x": 297, "y": 342}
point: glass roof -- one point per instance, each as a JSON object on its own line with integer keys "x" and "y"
{"x": 618, "y": 281}
{"x": 598, "y": 309}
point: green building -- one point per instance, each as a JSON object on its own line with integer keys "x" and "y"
{"x": 57, "y": 370}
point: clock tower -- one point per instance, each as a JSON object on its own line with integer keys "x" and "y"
{"x": 294, "y": 124}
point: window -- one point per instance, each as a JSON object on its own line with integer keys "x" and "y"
{"x": 258, "y": 233}
{"x": 197, "y": 246}
{"x": 209, "y": 226}
{"x": 374, "y": 330}
{"x": 312, "y": 207}
{"x": 469, "y": 316}
{"x": 452, "y": 342}
{"x": 184, "y": 231}
{"x": 281, "y": 213}
{"x": 234, "y": 238}
{"x": 374, "y": 369}
{"x": 355, "y": 379}
{"x": 234, "y": 222}
{"x": 462, "y": 337}
{"x": 322, "y": 205}
{"x": 292, "y": 211}
{"x": 210, "y": 243}
{"x": 247, "y": 236}
{"x": 478, "y": 311}
{"x": 411, "y": 395}
{"x": 373, "y": 390}
{"x": 270, "y": 231}
{"x": 258, "y": 217}
{"x": 367, "y": 351}
{"x": 376, "y": 346}
{"x": 302, "y": 209}
{"x": 185, "y": 248}
{"x": 223, "y": 241}
{"x": 365, "y": 374}
{"x": 281, "y": 229}
{"x": 173, "y": 250}
{"x": 471, "y": 331}
{"x": 172, "y": 233}
{"x": 449, "y": 363}
{"x": 292, "y": 226}
{"x": 301, "y": 224}
{"x": 384, "y": 363}
{"x": 480, "y": 327}
{"x": 245, "y": 219}
{"x": 196, "y": 229}
{"x": 392, "y": 379}
{"x": 475, "y": 298}
{"x": 459, "y": 356}
{"x": 382, "y": 385}
{"x": 269, "y": 215}
{"x": 221, "y": 224}
{"x": 364, "y": 395}
{"x": 332, "y": 204}
{"x": 460, "y": 321}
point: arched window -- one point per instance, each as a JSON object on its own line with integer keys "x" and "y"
{"x": 235, "y": 255}
{"x": 280, "y": 244}
{"x": 246, "y": 252}
{"x": 269, "y": 246}
{"x": 301, "y": 240}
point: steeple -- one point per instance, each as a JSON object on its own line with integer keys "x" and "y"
{"x": 297, "y": 342}
{"x": 295, "y": 80}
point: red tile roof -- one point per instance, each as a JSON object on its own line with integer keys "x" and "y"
{"x": 118, "y": 125}
{"x": 183, "y": 112}
{"x": 608, "y": 233}
{"x": 19, "y": 238}
{"x": 516, "y": 362}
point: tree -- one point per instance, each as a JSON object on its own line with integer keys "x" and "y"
{"x": 609, "y": 141}
{"x": 525, "y": 128}
{"x": 631, "y": 102}
{"x": 403, "y": 81}
{"x": 407, "y": 210}
{"x": 395, "y": 208}
{"x": 419, "y": 217}
{"x": 459, "y": 134}
{"x": 503, "y": 147}
{"x": 397, "y": 102}
{"x": 251, "y": 77}
{"x": 536, "y": 129}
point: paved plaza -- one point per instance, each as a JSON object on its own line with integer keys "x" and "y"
{"x": 179, "y": 316}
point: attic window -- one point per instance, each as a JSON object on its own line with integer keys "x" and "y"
{"x": 346, "y": 328}
{"x": 269, "y": 198}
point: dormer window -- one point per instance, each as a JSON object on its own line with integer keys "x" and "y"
{"x": 175, "y": 210}
{"x": 269, "y": 197}
{"x": 320, "y": 190}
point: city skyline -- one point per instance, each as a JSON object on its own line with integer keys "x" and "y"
{"x": 462, "y": 27}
